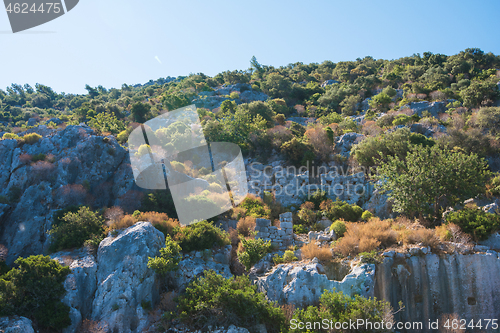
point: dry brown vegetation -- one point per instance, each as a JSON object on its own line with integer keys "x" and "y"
{"x": 159, "y": 220}
{"x": 90, "y": 326}
{"x": 246, "y": 225}
{"x": 365, "y": 237}
{"x": 311, "y": 251}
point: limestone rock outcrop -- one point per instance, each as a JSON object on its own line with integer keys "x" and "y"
{"x": 124, "y": 282}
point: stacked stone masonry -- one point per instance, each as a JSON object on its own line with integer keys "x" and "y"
{"x": 281, "y": 237}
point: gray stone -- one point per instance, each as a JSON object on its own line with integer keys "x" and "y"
{"x": 302, "y": 284}
{"x": 389, "y": 254}
{"x": 123, "y": 278}
{"x": 286, "y": 225}
{"x": 493, "y": 241}
{"x": 16, "y": 324}
{"x": 262, "y": 222}
{"x": 481, "y": 248}
{"x": 80, "y": 284}
{"x": 346, "y": 141}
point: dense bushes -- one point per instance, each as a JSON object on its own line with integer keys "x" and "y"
{"x": 252, "y": 250}
{"x": 200, "y": 236}
{"x": 337, "y": 209}
{"x": 255, "y": 207}
{"x": 339, "y": 308}
{"x": 213, "y": 300}
{"x": 419, "y": 183}
{"x": 169, "y": 258}
{"x": 475, "y": 222}
{"x": 34, "y": 289}
{"x": 74, "y": 228}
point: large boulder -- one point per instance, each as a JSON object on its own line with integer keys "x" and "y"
{"x": 434, "y": 108}
{"x": 15, "y": 324}
{"x": 379, "y": 205}
{"x": 124, "y": 282}
{"x": 25, "y": 231}
{"x": 195, "y": 263}
{"x": 80, "y": 284}
{"x": 303, "y": 284}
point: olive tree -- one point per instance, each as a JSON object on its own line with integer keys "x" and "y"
{"x": 428, "y": 176}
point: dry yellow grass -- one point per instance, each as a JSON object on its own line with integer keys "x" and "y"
{"x": 246, "y": 225}
{"x": 159, "y": 220}
{"x": 366, "y": 237}
{"x": 311, "y": 251}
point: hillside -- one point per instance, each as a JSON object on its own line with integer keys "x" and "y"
{"x": 372, "y": 183}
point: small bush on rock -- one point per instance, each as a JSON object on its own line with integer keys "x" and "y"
{"x": 213, "y": 300}
{"x": 200, "y": 236}
{"x": 169, "y": 258}
{"x": 288, "y": 256}
{"x": 339, "y": 228}
{"x": 31, "y": 138}
{"x": 74, "y": 228}
{"x": 337, "y": 209}
{"x": 252, "y": 250}
{"x": 337, "y": 307}
{"x": 34, "y": 289}
{"x": 475, "y": 222}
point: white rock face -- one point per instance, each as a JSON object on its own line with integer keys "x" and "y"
{"x": 303, "y": 284}
{"x": 80, "y": 284}
{"x": 15, "y": 324}
{"x": 378, "y": 205}
{"x": 430, "y": 285}
{"x": 124, "y": 280}
{"x": 194, "y": 264}
{"x": 346, "y": 141}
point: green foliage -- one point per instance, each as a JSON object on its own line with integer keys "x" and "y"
{"x": 287, "y": 257}
{"x": 255, "y": 206}
{"x": 37, "y": 157}
{"x": 478, "y": 92}
{"x": 213, "y": 300}
{"x": 317, "y": 198}
{"x": 338, "y": 209}
{"x": 331, "y": 118}
{"x": 366, "y": 215}
{"x": 373, "y": 150}
{"x": 159, "y": 201}
{"x": 169, "y": 258}
{"x": 10, "y": 136}
{"x": 337, "y": 307}
{"x": 31, "y": 138}
{"x": 139, "y": 111}
{"x": 475, "y": 222}
{"x": 299, "y": 229}
{"x": 75, "y": 228}
{"x": 419, "y": 183}
{"x": 370, "y": 257}
{"x": 401, "y": 119}
{"x": 34, "y": 289}
{"x": 106, "y": 122}
{"x": 253, "y": 251}
{"x": 494, "y": 185}
{"x": 339, "y": 227}
{"x": 380, "y": 102}
{"x": 143, "y": 150}
{"x": 295, "y": 150}
{"x": 307, "y": 214}
{"x": 200, "y": 236}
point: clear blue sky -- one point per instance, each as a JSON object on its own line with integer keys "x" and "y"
{"x": 110, "y": 42}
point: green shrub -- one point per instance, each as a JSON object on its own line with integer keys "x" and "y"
{"x": 366, "y": 215}
{"x": 146, "y": 305}
{"x": 143, "y": 150}
{"x": 169, "y": 258}
{"x": 255, "y": 207}
{"x": 31, "y": 138}
{"x": 494, "y": 186}
{"x": 10, "y": 136}
{"x": 369, "y": 257}
{"x": 337, "y": 209}
{"x": 200, "y": 236}
{"x": 317, "y": 197}
{"x": 213, "y": 300}
{"x": 475, "y": 222}
{"x": 288, "y": 256}
{"x": 401, "y": 119}
{"x": 337, "y": 307}
{"x": 34, "y": 289}
{"x": 307, "y": 214}
{"x": 253, "y": 251}
{"x": 339, "y": 227}
{"x": 299, "y": 229}
{"x": 159, "y": 201}
{"x": 37, "y": 157}
{"x": 74, "y": 228}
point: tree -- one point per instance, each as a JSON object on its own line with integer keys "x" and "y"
{"x": 34, "y": 289}
{"x": 380, "y": 102}
{"x": 139, "y": 111}
{"x": 429, "y": 176}
{"x": 169, "y": 258}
